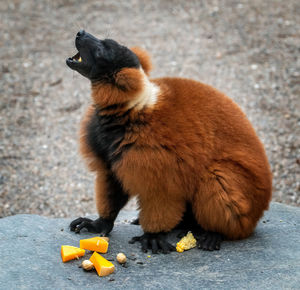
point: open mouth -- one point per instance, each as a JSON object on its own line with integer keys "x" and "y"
{"x": 76, "y": 58}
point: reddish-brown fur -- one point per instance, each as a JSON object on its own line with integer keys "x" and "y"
{"x": 197, "y": 147}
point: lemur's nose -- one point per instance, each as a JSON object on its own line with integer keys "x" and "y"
{"x": 80, "y": 33}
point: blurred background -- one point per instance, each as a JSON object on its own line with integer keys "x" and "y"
{"x": 247, "y": 49}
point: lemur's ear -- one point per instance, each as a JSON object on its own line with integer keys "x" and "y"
{"x": 144, "y": 59}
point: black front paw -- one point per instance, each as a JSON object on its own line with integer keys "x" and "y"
{"x": 156, "y": 242}
{"x": 100, "y": 225}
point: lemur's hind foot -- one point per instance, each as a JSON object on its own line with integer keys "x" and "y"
{"x": 135, "y": 222}
{"x": 210, "y": 241}
{"x": 157, "y": 242}
{"x": 206, "y": 240}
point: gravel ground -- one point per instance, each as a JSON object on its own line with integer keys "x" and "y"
{"x": 247, "y": 49}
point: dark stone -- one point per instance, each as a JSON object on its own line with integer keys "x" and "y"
{"x": 269, "y": 259}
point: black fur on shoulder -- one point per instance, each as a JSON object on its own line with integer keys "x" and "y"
{"x": 106, "y": 133}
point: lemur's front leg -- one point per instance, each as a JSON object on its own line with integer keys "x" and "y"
{"x": 110, "y": 198}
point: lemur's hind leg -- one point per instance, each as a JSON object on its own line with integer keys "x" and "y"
{"x": 156, "y": 222}
{"x": 188, "y": 223}
{"x": 225, "y": 205}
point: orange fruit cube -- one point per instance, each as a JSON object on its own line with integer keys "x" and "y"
{"x": 102, "y": 266}
{"x": 69, "y": 253}
{"x": 96, "y": 244}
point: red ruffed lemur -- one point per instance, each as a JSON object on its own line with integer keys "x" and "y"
{"x": 185, "y": 150}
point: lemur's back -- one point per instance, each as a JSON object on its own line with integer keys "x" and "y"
{"x": 196, "y": 113}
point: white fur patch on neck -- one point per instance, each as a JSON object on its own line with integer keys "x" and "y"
{"x": 148, "y": 97}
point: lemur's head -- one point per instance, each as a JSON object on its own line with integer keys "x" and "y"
{"x": 118, "y": 74}
{"x": 100, "y": 60}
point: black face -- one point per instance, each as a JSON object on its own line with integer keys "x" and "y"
{"x": 100, "y": 60}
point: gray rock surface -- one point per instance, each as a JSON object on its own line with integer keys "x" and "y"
{"x": 270, "y": 259}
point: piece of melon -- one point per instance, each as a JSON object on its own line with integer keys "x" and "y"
{"x": 102, "y": 266}
{"x": 69, "y": 253}
{"x": 96, "y": 244}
